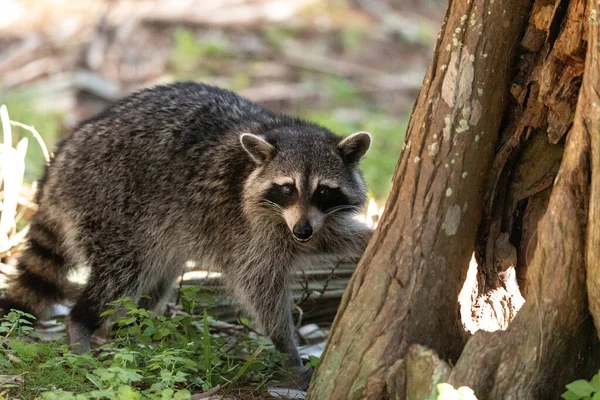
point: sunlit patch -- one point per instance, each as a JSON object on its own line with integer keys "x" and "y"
{"x": 199, "y": 274}
{"x": 491, "y": 311}
{"x": 372, "y": 215}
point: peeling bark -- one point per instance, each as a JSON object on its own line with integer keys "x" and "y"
{"x": 552, "y": 330}
{"x": 544, "y": 91}
{"x": 552, "y": 340}
{"x": 405, "y": 288}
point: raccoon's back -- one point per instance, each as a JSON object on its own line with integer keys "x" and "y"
{"x": 162, "y": 148}
{"x": 176, "y": 116}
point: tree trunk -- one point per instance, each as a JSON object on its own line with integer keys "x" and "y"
{"x": 507, "y": 82}
{"x": 405, "y": 288}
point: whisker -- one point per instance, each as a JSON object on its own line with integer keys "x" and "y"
{"x": 341, "y": 208}
{"x": 272, "y": 206}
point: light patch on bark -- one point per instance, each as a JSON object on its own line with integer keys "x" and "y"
{"x": 448, "y": 191}
{"x": 447, "y": 126}
{"x": 465, "y": 83}
{"x": 449, "y": 84}
{"x": 451, "y": 220}
{"x": 475, "y": 112}
{"x": 433, "y": 149}
{"x": 463, "y": 125}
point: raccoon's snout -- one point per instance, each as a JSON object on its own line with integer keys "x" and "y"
{"x": 302, "y": 231}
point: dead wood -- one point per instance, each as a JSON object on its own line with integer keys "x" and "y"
{"x": 544, "y": 92}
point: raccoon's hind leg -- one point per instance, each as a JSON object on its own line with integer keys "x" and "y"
{"x": 42, "y": 269}
{"x": 111, "y": 278}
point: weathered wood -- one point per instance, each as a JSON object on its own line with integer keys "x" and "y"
{"x": 589, "y": 107}
{"x": 544, "y": 90}
{"x": 406, "y": 286}
{"x": 552, "y": 341}
{"x": 415, "y": 377}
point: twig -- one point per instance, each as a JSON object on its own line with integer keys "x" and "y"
{"x": 326, "y": 285}
{"x": 206, "y": 394}
{"x": 300, "y": 316}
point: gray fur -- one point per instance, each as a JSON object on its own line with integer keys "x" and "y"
{"x": 165, "y": 176}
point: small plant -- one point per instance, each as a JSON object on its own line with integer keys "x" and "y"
{"x": 154, "y": 357}
{"x": 313, "y": 361}
{"x": 583, "y": 390}
{"x": 15, "y": 323}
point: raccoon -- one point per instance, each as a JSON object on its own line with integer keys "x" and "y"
{"x": 182, "y": 172}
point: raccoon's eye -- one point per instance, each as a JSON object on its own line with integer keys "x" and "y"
{"x": 323, "y": 191}
{"x": 288, "y": 189}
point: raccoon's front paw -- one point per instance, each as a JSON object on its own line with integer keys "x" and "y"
{"x": 299, "y": 379}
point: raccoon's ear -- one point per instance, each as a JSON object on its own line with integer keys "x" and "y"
{"x": 355, "y": 146}
{"x": 258, "y": 148}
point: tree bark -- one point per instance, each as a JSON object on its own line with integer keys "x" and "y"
{"x": 405, "y": 288}
{"x": 532, "y": 213}
{"x": 590, "y": 119}
{"x": 552, "y": 340}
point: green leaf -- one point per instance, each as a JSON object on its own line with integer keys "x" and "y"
{"x": 581, "y": 387}
{"x": 108, "y": 312}
{"x": 145, "y": 340}
{"x": 94, "y": 379}
{"x": 596, "y": 381}
{"x": 106, "y": 376}
{"x": 313, "y": 361}
{"x": 126, "y": 321}
{"x": 182, "y": 395}
{"x": 128, "y": 393}
{"x": 568, "y": 395}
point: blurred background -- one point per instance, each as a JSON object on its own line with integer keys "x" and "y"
{"x": 347, "y": 64}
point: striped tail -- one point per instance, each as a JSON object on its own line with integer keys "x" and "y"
{"x": 41, "y": 278}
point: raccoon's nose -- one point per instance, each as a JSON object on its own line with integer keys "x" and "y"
{"x": 302, "y": 231}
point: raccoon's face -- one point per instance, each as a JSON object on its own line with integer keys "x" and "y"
{"x": 304, "y": 178}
